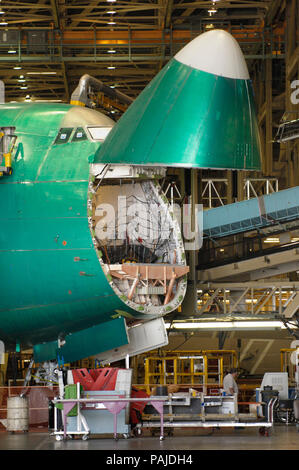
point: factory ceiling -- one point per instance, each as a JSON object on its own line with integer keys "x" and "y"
{"x": 47, "y": 45}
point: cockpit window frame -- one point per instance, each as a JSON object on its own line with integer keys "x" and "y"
{"x": 76, "y": 139}
{"x": 58, "y": 140}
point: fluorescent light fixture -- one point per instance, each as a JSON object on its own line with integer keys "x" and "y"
{"x": 271, "y": 240}
{"x": 48, "y": 101}
{"x": 111, "y": 51}
{"x": 21, "y": 80}
{"x": 111, "y": 12}
{"x": 111, "y": 1}
{"x": 111, "y": 67}
{"x": 111, "y": 22}
{"x": 11, "y": 51}
{"x": 226, "y": 325}
{"x": 3, "y": 23}
{"x": 17, "y": 67}
{"x": 23, "y": 87}
{"x": 276, "y": 240}
{"x": 41, "y": 73}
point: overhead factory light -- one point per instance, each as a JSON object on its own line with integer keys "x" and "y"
{"x": 42, "y": 73}
{"x": 271, "y": 240}
{"x": 111, "y": 51}
{"x": 11, "y": 51}
{"x": 111, "y": 22}
{"x": 3, "y": 23}
{"x": 226, "y": 325}
{"x": 111, "y": 67}
{"x": 23, "y": 87}
{"x": 47, "y": 101}
{"x": 17, "y": 67}
{"x": 111, "y": 12}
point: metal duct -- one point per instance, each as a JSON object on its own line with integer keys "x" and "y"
{"x": 80, "y": 94}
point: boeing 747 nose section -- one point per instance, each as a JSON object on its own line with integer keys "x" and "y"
{"x": 91, "y": 250}
{"x": 197, "y": 112}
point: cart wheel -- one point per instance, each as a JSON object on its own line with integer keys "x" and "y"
{"x": 85, "y": 437}
{"x": 137, "y": 432}
{"x": 162, "y": 438}
{"x": 262, "y": 431}
{"x": 126, "y": 436}
{"x": 59, "y": 438}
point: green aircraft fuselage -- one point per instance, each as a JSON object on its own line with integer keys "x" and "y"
{"x": 51, "y": 281}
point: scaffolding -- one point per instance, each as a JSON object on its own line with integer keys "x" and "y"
{"x": 200, "y": 369}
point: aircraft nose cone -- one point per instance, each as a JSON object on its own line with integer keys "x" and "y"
{"x": 198, "y": 112}
{"x": 215, "y": 52}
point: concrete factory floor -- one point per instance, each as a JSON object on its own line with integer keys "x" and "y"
{"x": 281, "y": 437}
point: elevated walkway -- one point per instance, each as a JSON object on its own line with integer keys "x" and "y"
{"x": 247, "y": 245}
{"x": 267, "y": 243}
{"x": 275, "y": 209}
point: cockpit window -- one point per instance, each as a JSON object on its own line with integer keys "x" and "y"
{"x": 79, "y": 135}
{"x": 99, "y": 133}
{"x": 63, "y": 135}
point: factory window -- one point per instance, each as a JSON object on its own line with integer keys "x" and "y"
{"x": 63, "y": 135}
{"x": 99, "y": 133}
{"x": 79, "y": 135}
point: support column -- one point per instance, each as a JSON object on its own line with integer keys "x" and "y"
{"x": 269, "y": 137}
{"x": 189, "y": 305}
{"x": 291, "y": 74}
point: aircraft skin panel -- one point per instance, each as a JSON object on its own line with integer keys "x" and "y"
{"x": 85, "y": 343}
{"x": 53, "y": 295}
{"x": 188, "y": 117}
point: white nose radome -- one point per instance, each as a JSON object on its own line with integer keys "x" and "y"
{"x": 215, "y": 52}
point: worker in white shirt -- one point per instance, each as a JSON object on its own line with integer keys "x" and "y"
{"x": 230, "y": 386}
